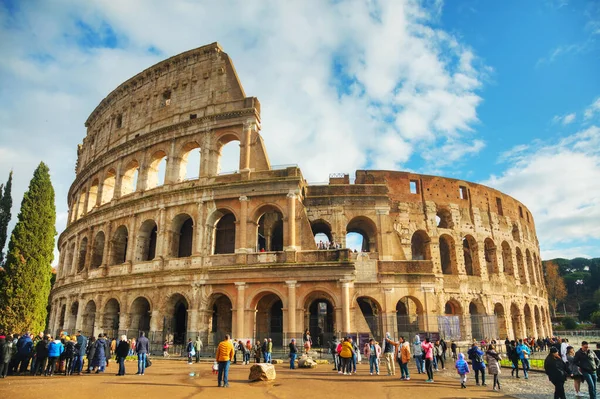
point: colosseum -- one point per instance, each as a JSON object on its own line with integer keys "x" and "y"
{"x": 159, "y": 240}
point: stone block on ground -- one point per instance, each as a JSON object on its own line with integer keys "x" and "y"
{"x": 276, "y": 361}
{"x": 262, "y": 372}
{"x": 306, "y": 362}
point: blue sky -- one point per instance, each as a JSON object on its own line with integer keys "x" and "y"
{"x": 502, "y": 93}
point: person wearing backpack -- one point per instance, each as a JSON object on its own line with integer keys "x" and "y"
{"x": 69, "y": 354}
{"x": 476, "y": 356}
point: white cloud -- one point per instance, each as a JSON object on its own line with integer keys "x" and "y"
{"x": 558, "y": 182}
{"x": 592, "y": 110}
{"x": 564, "y": 119}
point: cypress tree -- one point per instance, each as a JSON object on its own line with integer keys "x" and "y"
{"x": 25, "y": 284}
{"x": 5, "y": 205}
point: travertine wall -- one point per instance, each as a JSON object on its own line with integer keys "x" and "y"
{"x": 147, "y": 249}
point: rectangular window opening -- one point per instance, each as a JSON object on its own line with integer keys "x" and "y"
{"x": 414, "y": 187}
{"x": 119, "y": 121}
{"x": 193, "y": 116}
{"x": 520, "y": 212}
{"x": 499, "y": 206}
{"x": 527, "y": 217}
{"x": 166, "y": 98}
{"x": 464, "y": 194}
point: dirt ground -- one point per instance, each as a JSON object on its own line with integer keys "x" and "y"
{"x": 170, "y": 379}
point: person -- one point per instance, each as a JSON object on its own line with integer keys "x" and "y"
{"x": 69, "y": 354}
{"x": 513, "y": 355}
{"x": 142, "y": 347}
{"x": 372, "y": 351}
{"x": 388, "y": 354}
{"x": 121, "y": 351}
{"x": 223, "y": 357}
{"x": 55, "y": 349}
{"x": 418, "y": 354}
{"x": 439, "y": 356}
{"x": 41, "y": 355}
{"x": 428, "y": 355}
{"x": 247, "y": 351}
{"x": 556, "y": 370}
{"x": 102, "y": 348}
{"x": 91, "y": 353}
{"x": 588, "y": 363}
{"x": 5, "y": 352}
{"x": 307, "y": 341}
{"x": 346, "y": 355}
{"x": 242, "y": 349}
{"x": 191, "y": 352}
{"x": 24, "y": 351}
{"x": 574, "y": 371}
{"x": 453, "y": 350}
{"x": 264, "y": 348}
{"x": 476, "y": 357}
{"x": 462, "y": 367}
{"x": 198, "y": 348}
{"x": 166, "y": 348}
{"x": 270, "y": 349}
{"x": 493, "y": 364}
{"x": 293, "y": 353}
{"x": 333, "y": 349}
{"x": 563, "y": 349}
{"x": 113, "y": 346}
{"x": 524, "y": 352}
{"x": 355, "y": 350}
{"x": 80, "y": 348}
{"x": 404, "y": 359}
{"x": 257, "y": 352}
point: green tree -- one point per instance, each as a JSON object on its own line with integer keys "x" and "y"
{"x": 569, "y": 323}
{"x": 5, "y": 205}
{"x": 25, "y": 284}
{"x": 587, "y": 308}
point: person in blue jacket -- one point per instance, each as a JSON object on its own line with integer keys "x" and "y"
{"x": 55, "y": 349}
{"x": 24, "y": 351}
{"x": 524, "y": 353}
{"x": 476, "y": 356}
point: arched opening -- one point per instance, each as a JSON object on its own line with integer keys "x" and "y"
{"x": 61, "y": 319}
{"x": 530, "y": 270}
{"x": 82, "y": 254}
{"x": 521, "y": 266}
{"x": 269, "y": 319}
{"x": 443, "y": 217}
{"x": 111, "y": 319}
{"x": 156, "y": 170}
{"x": 477, "y": 313}
{"x": 471, "y": 256}
{"x": 130, "y": 178}
{"x": 322, "y": 232}
{"x": 140, "y": 315}
{"x": 221, "y": 320}
{"x": 538, "y": 322}
{"x": 68, "y": 265}
{"x": 450, "y": 325}
{"x": 491, "y": 260}
{"x": 448, "y": 255}
{"x": 119, "y": 246}
{"x": 530, "y": 330}
{"x": 146, "y": 241}
{"x": 81, "y": 204}
{"x": 419, "y": 245}
{"x": 370, "y": 310}
{"x": 98, "y": 250}
{"x": 108, "y": 187}
{"x": 515, "y": 316}
{"x": 321, "y": 319}
{"x": 224, "y": 235}
{"x": 270, "y": 230}
{"x": 182, "y": 236}
{"x": 73, "y": 317}
{"x": 189, "y": 164}
{"x": 92, "y": 195}
{"x": 501, "y": 318}
{"x": 515, "y": 233}
{"x": 228, "y": 156}
{"x": 177, "y": 307}
{"x": 365, "y": 227}
{"x": 507, "y": 262}
{"x": 409, "y": 312}
{"x": 89, "y": 319}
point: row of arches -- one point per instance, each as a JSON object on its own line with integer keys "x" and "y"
{"x": 158, "y": 169}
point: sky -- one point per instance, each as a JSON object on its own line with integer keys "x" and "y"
{"x": 503, "y": 93}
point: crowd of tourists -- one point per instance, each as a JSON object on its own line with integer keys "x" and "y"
{"x": 37, "y": 355}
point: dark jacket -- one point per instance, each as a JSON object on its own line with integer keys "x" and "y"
{"x": 69, "y": 350}
{"x": 81, "y": 344}
{"x": 5, "y": 351}
{"x": 476, "y": 357}
{"x": 122, "y": 349}
{"x": 555, "y": 368}
{"x": 41, "y": 349}
{"x": 91, "y": 350}
{"x": 587, "y": 361}
{"x": 142, "y": 345}
{"x": 24, "y": 346}
{"x": 293, "y": 348}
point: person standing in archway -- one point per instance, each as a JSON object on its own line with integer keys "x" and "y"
{"x": 388, "y": 353}
{"x": 142, "y": 349}
{"x": 198, "y": 348}
{"x": 223, "y": 356}
{"x": 293, "y": 353}
{"x": 122, "y": 351}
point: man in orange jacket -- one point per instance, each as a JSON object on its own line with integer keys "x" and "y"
{"x": 224, "y": 355}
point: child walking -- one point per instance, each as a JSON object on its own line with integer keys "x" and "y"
{"x": 462, "y": 367}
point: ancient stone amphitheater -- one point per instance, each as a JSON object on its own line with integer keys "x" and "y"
{"x": 160, "y": 244}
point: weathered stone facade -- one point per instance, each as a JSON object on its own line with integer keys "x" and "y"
{"x": 150, "y": 249}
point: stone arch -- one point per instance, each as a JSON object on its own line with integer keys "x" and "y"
{"x": 111, "y": 317}
{"x": 521, "y": 266}
{"x": 268, "y": 322}
{"x": 367, "y": 228}
{"x": 89, "y": 318}
{"x": 92, "y": 195}
{"x": 219, "y": 323}
{"x": 471, "y": 256}
{"x": 321, "y": 229}
{"x": 63, "y": 316}
{"x": 157, "y": 169}
{"x": 147, "y": 237}
{"x": 443, "y": 218}
{"x": 515, "y": 315}
{"x": 81, "y": 204}
{"x": 130, "y": 177}
{"x": 175, "y": 310}
{"x": 182, "y": 236}
{"x": 409, "y": 316}
{"x": 269, "y": 228}
{"x": 420, "y": 246}
{"x": 98, "y": 250}
{"x": 529, "y": 325}
{"x": 319, "y": 308}
{"x": 530, "y": 269}
{"x": 371, "y": 311}
{"x": 223, "y": 224}
{"x": 68, "y": 265}
{"x": 538, "y": 322}
{"x": 108, "y": 186}
{"x": 71, "y": 325}
{"x": 448, "y": 255}
{"x": 478, "y": 315}
{"x": 83, "y": 248}
{"x": 507, "y": 262}
{"x": 186, "y": 169}
{"x": 140, "y": 313}
{"x": 228, "y": 153}
{"x": 453, "y": 307}
{"x": 491, "y": 258}
{"x": 501, "y": 319}
{"x": 515, "y": 232}
{"x": 119, "y": 245}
